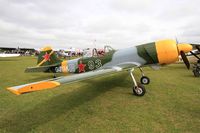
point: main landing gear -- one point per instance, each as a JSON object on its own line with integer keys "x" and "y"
{"x": 138, "y": 88}
{"x": 54, "y": 75}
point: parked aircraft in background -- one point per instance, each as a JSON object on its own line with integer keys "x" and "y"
{"x": 9, "y": 55}
{"x": 151, "y": 54}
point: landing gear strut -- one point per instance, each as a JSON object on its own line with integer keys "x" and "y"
{"x": 144, "y": 79}
{"x": 138, "y": 88}
{"x": 54, "y": 75}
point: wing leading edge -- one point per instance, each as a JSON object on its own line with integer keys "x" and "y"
{"x": 52, "y": 83}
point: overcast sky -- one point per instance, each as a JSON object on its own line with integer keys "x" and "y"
{"x": 77, "y": 23}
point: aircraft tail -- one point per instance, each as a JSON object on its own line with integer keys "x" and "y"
{"x": 47, "y": 57}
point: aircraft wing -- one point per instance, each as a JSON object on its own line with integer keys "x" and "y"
{"x": 9, "y": 55}
{"x": 196, "y": 46}
{"x": 52, "y": 83}
{"x": 196, "y": 50}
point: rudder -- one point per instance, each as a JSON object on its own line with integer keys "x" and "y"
{"x": 47, "y": 57}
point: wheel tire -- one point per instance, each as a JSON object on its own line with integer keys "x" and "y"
{"x": 144, "y": 80}
{"x": 139, "y": 90}
{"x": 196, "y": 73}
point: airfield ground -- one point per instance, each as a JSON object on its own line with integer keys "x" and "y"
{"x": 105, "y": 104}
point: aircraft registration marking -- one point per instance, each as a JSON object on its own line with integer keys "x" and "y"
{"x": 98, "y": 63}
{"x": 94, "y": 64}
{"x": 91, "y": 65}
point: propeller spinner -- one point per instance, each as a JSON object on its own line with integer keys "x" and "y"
{"x": 184, "y": 48}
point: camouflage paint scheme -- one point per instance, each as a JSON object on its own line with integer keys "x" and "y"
{"x": 141, "y": 55}
{"x": 155, "y": 53}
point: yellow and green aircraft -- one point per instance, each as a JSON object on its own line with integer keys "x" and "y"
{"x": 111, "y": 61}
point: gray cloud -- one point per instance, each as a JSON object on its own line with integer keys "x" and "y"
{"x": 67, "y": 23}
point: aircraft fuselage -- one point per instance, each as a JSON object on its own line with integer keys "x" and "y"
{"x": 160, "y": 52}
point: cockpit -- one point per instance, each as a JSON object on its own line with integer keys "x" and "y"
{"x": 98, "y": 52}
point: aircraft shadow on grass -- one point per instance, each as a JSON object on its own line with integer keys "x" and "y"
{"x": 63, "y": 103}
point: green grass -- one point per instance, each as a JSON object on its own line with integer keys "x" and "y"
{"x": 105, "y": 104}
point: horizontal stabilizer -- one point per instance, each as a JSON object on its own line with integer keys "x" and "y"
{"x": 9, "y": 55}
{"x": 39, "y": 68}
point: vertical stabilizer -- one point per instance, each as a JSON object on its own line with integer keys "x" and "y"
{"x": 47, "y": 57}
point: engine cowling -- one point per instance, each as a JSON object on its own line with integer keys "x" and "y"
{"x": 167, "y": 51}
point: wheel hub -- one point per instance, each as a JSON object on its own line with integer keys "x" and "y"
{"x": 145, "y": 80}
{"x": 138, "y": 90}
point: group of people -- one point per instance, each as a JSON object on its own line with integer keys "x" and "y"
{"x": 21, "y": 52}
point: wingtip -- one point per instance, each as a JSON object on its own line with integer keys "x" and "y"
{"x": 33, "y": 87}
{"x": 13, "y": 90}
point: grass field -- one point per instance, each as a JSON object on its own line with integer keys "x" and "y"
{"x": 105, "y": 104}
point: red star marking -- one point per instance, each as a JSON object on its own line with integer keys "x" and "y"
{"x": 46, "y": 57}
{"x": 81, "y": 67}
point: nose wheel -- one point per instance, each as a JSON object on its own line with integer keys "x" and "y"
{"x": 138, "y": 88}
{"x": 144, "y": 79}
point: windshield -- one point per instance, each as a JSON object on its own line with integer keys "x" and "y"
{"x": 97, "y": 52}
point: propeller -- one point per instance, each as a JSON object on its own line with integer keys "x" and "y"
{"x": 183, "y": 56}
{"x": 185, "y": 59}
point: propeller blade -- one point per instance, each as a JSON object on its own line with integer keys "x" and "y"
{"x": 198, "y": 48}
{"x": 176, "y": 41}
{"x": 185, "y": 59}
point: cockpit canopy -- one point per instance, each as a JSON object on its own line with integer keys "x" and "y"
{"x": 97, "y": 52}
